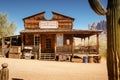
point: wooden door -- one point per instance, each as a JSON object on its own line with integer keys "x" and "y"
{"x": 48, "y": 43}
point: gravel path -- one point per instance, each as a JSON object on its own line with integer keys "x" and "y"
{"x": 53, "y": 70}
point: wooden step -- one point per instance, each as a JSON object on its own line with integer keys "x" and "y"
{"x": 47, "y": 56}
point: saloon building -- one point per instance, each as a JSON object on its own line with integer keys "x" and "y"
{"x": 54, "y": 38}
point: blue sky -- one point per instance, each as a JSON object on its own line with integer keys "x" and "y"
{"x": 78, "y": 9}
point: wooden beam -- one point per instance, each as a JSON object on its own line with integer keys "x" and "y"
{"x": 39, "y": 53}
{"x": 84, "y": 45}
{"x": 88, "y": 45}
{"x": 72, "y": 46}
{"x": 10, "y": 41}
{"x": 22, "y": 37}
{"x": 84, "y": 41}
{"x": 55, "y": 46}
{"x": 88, "y": 41}
{"x": 97, "y": 36}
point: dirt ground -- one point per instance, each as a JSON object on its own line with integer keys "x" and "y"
{"x": 53, "y": 70}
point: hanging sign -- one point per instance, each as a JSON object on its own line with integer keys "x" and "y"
{"x": 48, "y": 24}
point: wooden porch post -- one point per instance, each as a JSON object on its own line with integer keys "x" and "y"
{"x": 55, "y": 46}
{"x": 88, "y": 44}
{"x": 82, "y": 51}
{"x": 10, "y": 41}
{"x": 84, "y": 42}
{"x": 88, "y": 41}
{"x": 39, "y": 52}
{"x": 81, "y": 41}
{"x": 22, "y": 47}
{"x": 22, "y": 36}
{"x": 72, "y": 46}
{"x": 84, "y": 46}
{"x": 17, "y": 40}
{"x": 97, "y": 36}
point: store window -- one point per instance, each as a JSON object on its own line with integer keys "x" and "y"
{"x": 36, "y": 39}
{"x": 59, "y": 39}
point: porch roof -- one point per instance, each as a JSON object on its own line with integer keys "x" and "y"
{"x": 76, "y": 33}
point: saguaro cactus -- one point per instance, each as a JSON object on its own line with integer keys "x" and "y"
{"x": 113, "y": 35}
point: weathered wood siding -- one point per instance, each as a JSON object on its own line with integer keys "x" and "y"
{"x": 32, "y": 22}
{"x": 29, "y": 39}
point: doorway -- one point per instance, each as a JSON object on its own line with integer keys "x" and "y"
{"x": 47, "y": 43}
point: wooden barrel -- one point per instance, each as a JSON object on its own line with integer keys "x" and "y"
{"x": 90, "y": 59}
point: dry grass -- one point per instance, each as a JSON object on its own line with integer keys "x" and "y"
{"x": 52, "y": 70}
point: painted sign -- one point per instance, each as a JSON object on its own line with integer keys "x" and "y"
{"x": 48, "y": 24}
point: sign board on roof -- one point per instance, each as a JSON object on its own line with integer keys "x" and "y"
{"x": 48, "y": 24}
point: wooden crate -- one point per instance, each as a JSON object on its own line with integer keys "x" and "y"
{"x": 15, "y": 49}
{"x": 79, "y": 60}
{"x": 15, "y": 55}
{"x": 15, "y": 52}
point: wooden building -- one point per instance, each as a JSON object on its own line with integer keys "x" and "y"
{"x": 52, "y": 38}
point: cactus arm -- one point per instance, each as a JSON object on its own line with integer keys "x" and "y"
{"x": 96, "y": 6}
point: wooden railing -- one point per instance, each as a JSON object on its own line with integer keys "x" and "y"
{"x": 87, "y": 50}
{"x": 64, "y": 49}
